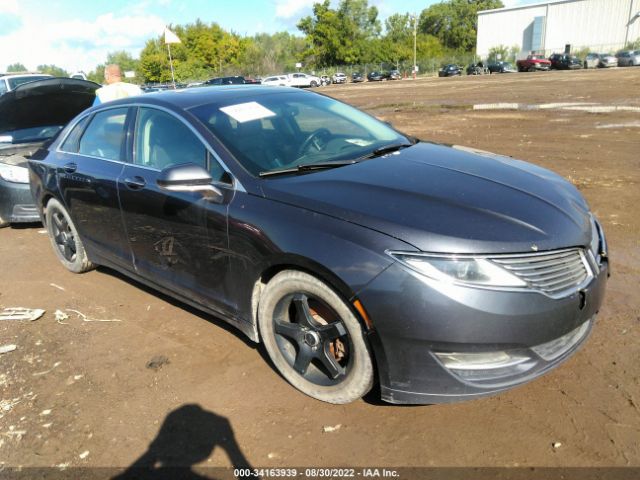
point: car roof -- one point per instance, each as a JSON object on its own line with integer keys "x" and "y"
{"x": 193, "y": 97}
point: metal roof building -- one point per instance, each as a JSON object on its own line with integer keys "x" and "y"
{"x": 547, "y": 27}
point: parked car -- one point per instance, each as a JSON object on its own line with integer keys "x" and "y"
{"x": 356, "y": 77}
{"x": 234, "y": 80}
{"x": 32, "y": 114}
{"x": 11, "y": 81}
{"x": 456, "y": 274}
{"x": 533, "y": 63}
{"x": 592, "y": 60}
{"x": 477, "y": 69}
{"x": 376, "y": 76}
{"x": 252, "y": 81}
{"x": 628, "y": 58}
{"x": 607, "y": 60}
{"x": 501, "y": 67}
{"x": 563, "y": 61}
{"x": 339, "y": 78}
{"x": 395, "y": 75}
{"x": 450, "y": 70}
{"x": 277, "y": 80}
{"x": 303, "y": 80}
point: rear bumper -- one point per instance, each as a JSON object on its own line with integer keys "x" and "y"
{"x": 423, "y": 328}
{"x": 17, "y": 204}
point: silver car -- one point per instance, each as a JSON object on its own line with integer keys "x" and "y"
{"x": 628, "y": 58}
{"x": 607, "y": 60}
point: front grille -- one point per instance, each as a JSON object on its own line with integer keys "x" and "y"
{"x": 556, "y": 274}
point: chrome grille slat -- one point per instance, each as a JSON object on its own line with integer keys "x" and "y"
{"x": 547, "y": 263}
{"x": 556, "y": 274}
{"x": 539, "y": 257}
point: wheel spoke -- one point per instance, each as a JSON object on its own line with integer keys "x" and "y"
{"x": 58, "y": 221}
{"x": 303, "y": 313}
{"x": 303, "y": 359}
{"x": 289, "y": 330}
{"x": 59, "y": 239}
{"x": 330, "y": 363}
{"x": 332, "y": 331}
{"x": 68, "y": 253}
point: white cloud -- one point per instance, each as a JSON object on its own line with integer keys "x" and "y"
{"x": 75, "y": 44}
{"x": 9, "y": 6}
{"x": 288, "y": 9}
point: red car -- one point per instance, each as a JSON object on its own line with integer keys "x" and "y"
{"x": 533, "y": 63}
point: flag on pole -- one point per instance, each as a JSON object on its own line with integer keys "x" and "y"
{"x": 170, "y": 37}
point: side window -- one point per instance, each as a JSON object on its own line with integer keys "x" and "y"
{"x": 3, "y": 86}
{"x": 105, "y": 134}
{"x": 162, "y": 140}
{"x": 72, "y": 142}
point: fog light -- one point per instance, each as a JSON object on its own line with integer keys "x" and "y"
{"x": 480, "y": 361}
{"x": 558, "y": 347}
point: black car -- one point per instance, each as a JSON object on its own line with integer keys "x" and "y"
{"x": 501, "y": 67}
{"x": 395, "y": 75}
{"x": 377, "y": 76}
{"x": 30, "y": 115}
{"x": 563, "y": 61}
{"x": 356, "y": 77}
{"x": 351, "y": 250}
{"x": 235, "y": 80}
{"x": 450, "y": 70}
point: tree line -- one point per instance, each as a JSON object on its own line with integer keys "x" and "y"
{"x": 349, "y": 34}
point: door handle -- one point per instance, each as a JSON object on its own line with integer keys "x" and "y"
{"x": 70, "y": 167}
{"x": 135, "y": 183}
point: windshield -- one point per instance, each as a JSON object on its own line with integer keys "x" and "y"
{"x": 16, "y": 81}
{"x": 286, "y": 130}
{"x": 26, "y": 135}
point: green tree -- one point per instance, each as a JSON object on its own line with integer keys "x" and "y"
{"x": 342, "y": 35}
{"x": 16, "y": 67}
{"x": 53, "y": 70}
{"x": 455, "y": 22}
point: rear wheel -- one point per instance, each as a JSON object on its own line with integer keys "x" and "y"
{"x": 65, "y": 239}
{"x": 314, "y": 339}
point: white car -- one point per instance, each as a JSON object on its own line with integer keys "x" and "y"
{"x": 339, "y": 78}
{"x": 277, "y": 80}
{"x": 302, "y": 80}
{"x": 10, "y": 81}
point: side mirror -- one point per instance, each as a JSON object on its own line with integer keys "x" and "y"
{"x": 188, "y": 177}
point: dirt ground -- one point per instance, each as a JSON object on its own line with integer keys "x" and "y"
{"x": 82, "y": 393}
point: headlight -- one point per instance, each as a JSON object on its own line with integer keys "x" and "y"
{"x": 466, "y": 270}
{"x": 14, "y": 173}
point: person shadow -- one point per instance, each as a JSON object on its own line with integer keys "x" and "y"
{"x": 187, "y": 436}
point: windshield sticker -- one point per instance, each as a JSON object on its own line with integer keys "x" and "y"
{"x": 358, "y": 141}
{"x": 246, "y": 112}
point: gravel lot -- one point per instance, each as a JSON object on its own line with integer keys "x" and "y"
{"x": 83, "y": 393}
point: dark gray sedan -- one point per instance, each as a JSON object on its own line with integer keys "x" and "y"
{"x": 31, "y": 115}
{"x": 354, "y": 252}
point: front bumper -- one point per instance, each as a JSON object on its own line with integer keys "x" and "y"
{"x": 419, "y": 323}
{"x": 16, "y": 203}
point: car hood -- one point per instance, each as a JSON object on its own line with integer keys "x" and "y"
{"x": 54, "y": 101}
{"x": 447, "y": 199}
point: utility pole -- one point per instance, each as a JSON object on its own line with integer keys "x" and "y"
{"x": 415, "y": 41}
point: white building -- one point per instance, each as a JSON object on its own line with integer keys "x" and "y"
{"x": 547, "y": 27}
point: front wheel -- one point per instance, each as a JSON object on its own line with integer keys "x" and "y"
{"x": 65, "y": 240}
{"x": 314, "y": 339}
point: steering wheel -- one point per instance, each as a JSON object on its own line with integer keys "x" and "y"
{"x": 314, "y": 139}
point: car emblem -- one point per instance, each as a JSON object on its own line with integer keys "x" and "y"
{"x": 534, "y": 247}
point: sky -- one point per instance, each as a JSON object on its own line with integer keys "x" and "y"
{"x": 77, "y": 34}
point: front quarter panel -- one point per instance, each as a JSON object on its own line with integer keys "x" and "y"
{"x": 265, "y": 235}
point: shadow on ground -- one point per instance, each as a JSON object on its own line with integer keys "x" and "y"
{"x": 189, "y": 435}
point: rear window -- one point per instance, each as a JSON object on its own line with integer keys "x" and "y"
{"x": 16, "y": 81}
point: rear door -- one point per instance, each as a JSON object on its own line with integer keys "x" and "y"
{"x": 88, "y": 163}
{"x": 178, "y": 239}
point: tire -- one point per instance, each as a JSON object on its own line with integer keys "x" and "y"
{"x": 314, "y": 84}
{"x": 65, "y": 240}
{"x": 314, "y": 339}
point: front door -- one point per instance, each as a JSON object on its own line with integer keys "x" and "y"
{"x": 178, "y": 239}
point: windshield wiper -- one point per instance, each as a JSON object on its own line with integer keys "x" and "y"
{"x": 308, "y": 167}
{"x": 394, "y": 147}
